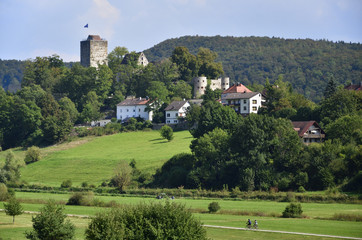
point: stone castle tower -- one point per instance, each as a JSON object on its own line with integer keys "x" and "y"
{"x": 93, "y": 51}
{"x": 200, "y": 84}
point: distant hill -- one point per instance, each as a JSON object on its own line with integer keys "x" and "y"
{"x": 306, "y": 63}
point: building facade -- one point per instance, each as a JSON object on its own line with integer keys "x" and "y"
{"x": 243, "y": 103}
{"x": 309, "y": 131}
{"x": 133, "y": 108}
{"x": 93, "y": 51}
{"x": 175, "y": 111}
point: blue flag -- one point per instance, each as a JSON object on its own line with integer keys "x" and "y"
{"x": 86, "y": 26}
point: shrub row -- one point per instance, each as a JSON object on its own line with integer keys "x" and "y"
{"x": 201, "y": 193}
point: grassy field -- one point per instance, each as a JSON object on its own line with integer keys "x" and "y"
{"x": 308, "y": 225}
{"x": 93, "y": 160}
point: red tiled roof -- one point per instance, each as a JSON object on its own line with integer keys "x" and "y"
{"x": 303, "y": 126}
{"x": 355, "y": 87}
{"x": 237, "y": 88}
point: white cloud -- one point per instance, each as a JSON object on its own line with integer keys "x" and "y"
{"x": 102, "y": 18}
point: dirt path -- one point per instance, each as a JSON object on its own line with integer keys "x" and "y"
{"x": 274, "y": 231}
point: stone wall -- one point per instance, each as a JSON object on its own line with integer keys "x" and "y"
{"x": 93, "y": 52}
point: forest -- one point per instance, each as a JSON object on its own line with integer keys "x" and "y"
{"x": 307, "y": 64}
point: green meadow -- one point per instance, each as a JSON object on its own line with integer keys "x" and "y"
{"x": 310, "y": 224}
{"x": 94, "y": 159}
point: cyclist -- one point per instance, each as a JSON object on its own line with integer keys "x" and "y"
{"x": 248, "y": 223}
{"x": 255, "y": 224}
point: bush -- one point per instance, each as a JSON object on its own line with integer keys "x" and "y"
{"x": 167, "y": 132}
{"x": 51, "y": 224}
{"x": 293, "y": 210}
{"x": 84, "y": 184}
{"x": 146, "y": 221}
{"x": 214, "y": 207}
{"x": 32, "y": 155}
{"x": 301, "y": 189}
{"x": 66, "y": 183}
{"x": 82, "y": 199}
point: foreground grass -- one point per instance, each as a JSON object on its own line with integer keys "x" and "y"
{"x": 308, "y": 225}
{"x": 94, "y": 160}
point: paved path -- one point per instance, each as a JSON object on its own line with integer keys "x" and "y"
{"x": 236, "y": 228}
{"x": 274, "y": 231}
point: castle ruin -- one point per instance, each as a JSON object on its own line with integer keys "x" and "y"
{"x": 93, "y": 51}
{"x": 200, "y": 84}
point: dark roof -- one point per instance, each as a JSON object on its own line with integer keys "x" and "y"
{"x": 175, "y": 105}
{"x": 246, "y": 95}
{"x": 134, "y": 101}
{"x": 127, "y": 58}
{"x": 237, "y": 88}
{"x": 303, "y": 126}
{"x": 94, "y": 37}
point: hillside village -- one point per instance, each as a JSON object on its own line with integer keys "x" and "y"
{"x": 236, "y": 96}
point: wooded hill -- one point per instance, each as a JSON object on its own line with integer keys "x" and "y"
{"x": 305, "y": 63}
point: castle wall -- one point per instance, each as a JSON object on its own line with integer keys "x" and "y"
{"x": 200, "y": 84}
{"x": 93, "y": 52}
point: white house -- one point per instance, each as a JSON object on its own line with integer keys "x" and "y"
{"x": 243, "y": 103}
{"x": 175, "y": 111}
{"x": 134, "y": 107}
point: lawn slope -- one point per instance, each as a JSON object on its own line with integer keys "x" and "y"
{"x": 94, "y": 161}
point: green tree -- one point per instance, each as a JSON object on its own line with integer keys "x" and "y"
{"x": 51, "y": 223}
{"x": 167, "y": 132}
{"x": 13, "y": 208}
{"x": 67, "y": 105}
{"x": 103, "y": 82}
{"x": 115, "y": 58}
{"x": 347, "y": 129}
{"x": 122, "y": 176}
{"x": 32, "y": 155}
{"x": 181, "y": 90}
{"x": 186, "y": 63}
{"x": 342, "y": 103}
{"x": 12, "y": 167}
{"x": 212, "y": 155}
{"x": 91, "y": 109}
{"x": 331, "y": 88}
{"x": 207, "y": 65}
{"x": 157, "y": 92}
{"x": 213, "y": 115}
{"x": 151, "y": 221}
{"x": 167, "y": 72}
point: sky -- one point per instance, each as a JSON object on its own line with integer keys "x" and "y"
{"x": 31, "y": 28}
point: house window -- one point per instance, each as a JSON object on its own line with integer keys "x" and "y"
{"x": 139, "y": 109}
{"x": 127, "y": 110}
{"x": 176, "y": 114}
{"x": 168, "y": 115}
{"x": 245, "y": 101}
{"x": 168, "y": 121}
{"x": 255, "y": 109}
{"x": 254, "y": 101}
{"x": 134, "y": 110}
{"x": 145, "y": 110}
{"x": 175, "y": 121}
{"x": 244, "y": 108}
